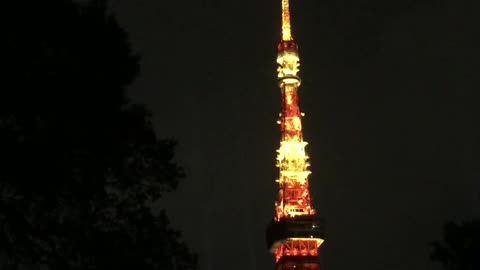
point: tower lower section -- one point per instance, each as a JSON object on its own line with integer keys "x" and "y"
{"x": 295, "y": 241}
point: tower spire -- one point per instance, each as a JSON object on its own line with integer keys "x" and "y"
{"x": 294, "y": 235}
{"x": 286, "y": 27}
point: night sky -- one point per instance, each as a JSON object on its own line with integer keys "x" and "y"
{"x": 390, "y": 92}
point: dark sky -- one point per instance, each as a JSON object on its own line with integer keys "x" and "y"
{"x": 390, "y": 92}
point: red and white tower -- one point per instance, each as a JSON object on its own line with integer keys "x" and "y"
{"x": 294, "y": 235}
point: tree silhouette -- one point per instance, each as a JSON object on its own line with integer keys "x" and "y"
{"x": 461, "y": 247}
{"x": 80, "y": 164}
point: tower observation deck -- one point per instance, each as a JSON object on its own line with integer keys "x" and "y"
{"x": 295, "y": 233}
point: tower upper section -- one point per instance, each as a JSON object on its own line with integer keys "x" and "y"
{"x": 292, "y": 160}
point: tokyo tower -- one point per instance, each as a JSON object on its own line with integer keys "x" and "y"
{"x": 294, "y": 235}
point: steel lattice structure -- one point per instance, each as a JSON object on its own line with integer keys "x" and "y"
{"x": 295, "y": 234}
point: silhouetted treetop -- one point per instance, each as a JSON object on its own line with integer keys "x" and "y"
{"x": 80, "y": 164}
{"x": 460, "y": 249}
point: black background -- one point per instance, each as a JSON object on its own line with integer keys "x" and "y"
{"x": 390, "y": 92}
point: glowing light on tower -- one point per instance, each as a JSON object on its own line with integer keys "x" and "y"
{"x": 294, "y": 235}
{"x": 286, "y": 28}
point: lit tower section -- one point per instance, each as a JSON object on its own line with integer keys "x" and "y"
{"x": 294, "y": 235}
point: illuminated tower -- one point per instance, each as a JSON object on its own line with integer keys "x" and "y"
{"x": 294, "y": 234}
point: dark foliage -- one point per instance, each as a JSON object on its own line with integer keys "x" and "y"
{"x": 460, "y": 249}
{"x": 80, "y": 165}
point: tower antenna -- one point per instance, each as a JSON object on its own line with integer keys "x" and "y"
{"x": 286, "y": 26}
